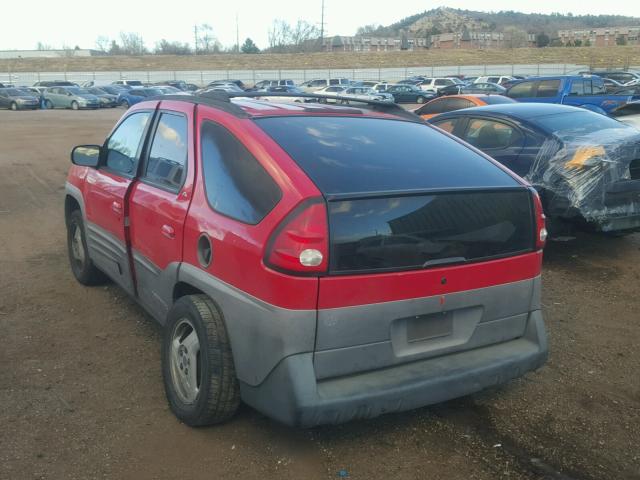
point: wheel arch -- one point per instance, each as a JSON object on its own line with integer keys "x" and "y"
{"x": 73, "y": 201}
{"x": 182, "y": 289}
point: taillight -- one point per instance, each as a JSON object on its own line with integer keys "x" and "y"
{"x": 300, "y": 244}
{"x": 541, "y": 229}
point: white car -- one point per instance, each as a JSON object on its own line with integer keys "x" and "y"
{"x": 365, "y": 93}
{"x": 434, "y": 84}
{"x": 497, "y": 79}
{"x": 333, "y": 91}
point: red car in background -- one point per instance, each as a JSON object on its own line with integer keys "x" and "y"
{"x": 321, "y": 263}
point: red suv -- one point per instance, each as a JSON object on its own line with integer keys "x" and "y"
{"x": 321, "y": 263}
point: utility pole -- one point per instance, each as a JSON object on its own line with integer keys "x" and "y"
{"x": 322, "y": 27}
{"x": 237, "y": 35}
{"x": 195, "y": 37}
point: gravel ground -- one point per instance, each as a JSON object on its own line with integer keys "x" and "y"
{"x": 81, "y": 393}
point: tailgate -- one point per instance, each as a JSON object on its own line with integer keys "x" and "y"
{"x": 415, "y": 276}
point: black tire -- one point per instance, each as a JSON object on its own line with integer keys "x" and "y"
{"x": 13, "y": 106}
{"x": 420, "y": 100}
{"x": 83, "y": 268}
{"x": 125, "y": 104}
{"x": 48, "y": 105}
{"x": 74, "y": 105}
{"x": 218, "y": 394}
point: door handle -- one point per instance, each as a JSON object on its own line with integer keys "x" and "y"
{"x": 168, "y": 231}
{"x": 116, "y": 207}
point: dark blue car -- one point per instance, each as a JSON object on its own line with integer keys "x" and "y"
{"x": 135, "y": 95}
{"x": 586, "y": 166}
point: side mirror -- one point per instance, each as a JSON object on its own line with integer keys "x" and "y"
{"x": 86, "y": 155}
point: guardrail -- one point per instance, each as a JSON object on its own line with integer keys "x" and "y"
{"x": 203, "y": 77}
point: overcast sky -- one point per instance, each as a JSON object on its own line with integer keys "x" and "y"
{"x": 79, "y": 22}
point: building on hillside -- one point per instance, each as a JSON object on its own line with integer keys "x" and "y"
{"x": 601, "y": 37}
{"x": 473, "y": 39}
{"x": 341, "y": 43}
{"x": 71, "y": 52}
{"x": 458, "y": 40}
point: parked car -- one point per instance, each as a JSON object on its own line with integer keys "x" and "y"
{"x": 382, "y": 86}
{"x": 433, "y": 85}
{"x": 222, "y": 87}
{"x": 281, "y": 90}
{"x": 114, "y": 89}
{"x": 317, "y": 264}
{"x": 458, "y": 102}
{"x": 54, "y": 83}
{"x": 578, "y": 90}
{"x": 129, "y": 83}
{"x": 619, "y": 76}
{"x": 408, "y": 94}
{"x": 365, "y": 93}
{"x": 611, "y": 86}
{"x": 136, "y": 95}
{"x": 177, "y": 84}
{"x": 107, "y": 100}
{"x": 16, "y": 99}
{"x": 74, "y": 98}
{"x": 317, "y": 84}
{"x": 497, "y": 79}
{"x": 333, "y": 91}
{"x": 169, "y": 90}
{"x": 586, "y": 166}
{"x": 472, "y": 88}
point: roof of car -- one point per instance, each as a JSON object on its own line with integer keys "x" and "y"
{"x": 520, "y": 111}
{"x": 248, "y": 107}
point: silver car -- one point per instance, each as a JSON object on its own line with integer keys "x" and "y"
{"x": 15, "y": 99}
{"x": 365, "y": 93}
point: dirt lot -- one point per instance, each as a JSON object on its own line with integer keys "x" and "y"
{"x": 81, "y": 393}
{"x": 622, "y": 56}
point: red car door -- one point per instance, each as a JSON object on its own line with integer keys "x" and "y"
{"x": 106, "y": 192}
{"x": 159, "y": 202}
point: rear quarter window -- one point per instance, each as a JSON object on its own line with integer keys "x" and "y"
{"x": 236, "y": 185}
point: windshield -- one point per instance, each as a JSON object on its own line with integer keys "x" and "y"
{"x": 14, "y": 92}
{"x": 576, "y": 124}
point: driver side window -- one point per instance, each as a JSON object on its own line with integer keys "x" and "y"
{"x": 123, "y": 148}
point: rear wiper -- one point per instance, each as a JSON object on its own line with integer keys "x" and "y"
{"x": 442, "y": 261}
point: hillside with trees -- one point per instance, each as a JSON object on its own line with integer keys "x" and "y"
{"x": 446, "y": 20}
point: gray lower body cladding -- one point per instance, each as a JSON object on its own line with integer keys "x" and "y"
{"x": 292, "y": 394}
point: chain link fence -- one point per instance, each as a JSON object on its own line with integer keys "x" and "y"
{"x": 298, "y": 76}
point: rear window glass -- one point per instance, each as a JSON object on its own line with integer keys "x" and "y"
{"x": 574, "y": 124}
{"x": 351, "y": 154}
{"x": 428, "y": 230}
{"x": 548, "y": 88}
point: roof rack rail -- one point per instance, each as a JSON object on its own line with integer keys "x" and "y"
{"x": 222, "y": 100}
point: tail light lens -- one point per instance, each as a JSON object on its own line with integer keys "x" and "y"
{"x": 541, "y": 229}
{"x": 300, "y": 244}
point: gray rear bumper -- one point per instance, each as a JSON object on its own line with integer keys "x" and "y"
{"x": 291, "y": 393}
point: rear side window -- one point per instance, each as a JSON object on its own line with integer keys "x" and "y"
{"x": 447, "y": 125}
{"x": 236, "y": 184}
{"x": 521, "y": 90}
{"x": 487, "y": 134}
{"x": 123, "y": 148}
{"x": 355, "y": 154}
{"x": 168, "y": 156}
{"x": 548, "y": 88}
